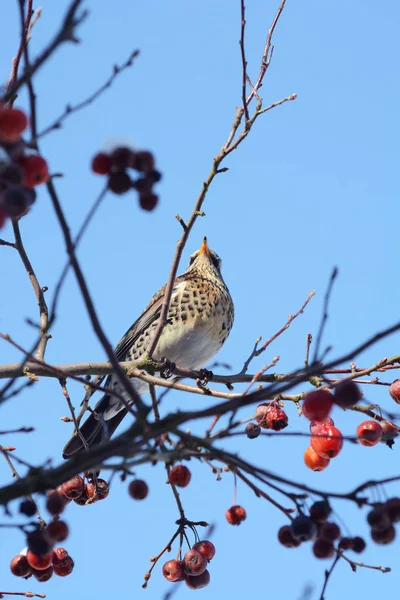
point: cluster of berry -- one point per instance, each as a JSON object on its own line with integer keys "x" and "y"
{"x": 116, "y": 164}
{"x": 19, "y": 172}
{"x": 269, "y": 415}
{"x": 316, "y": 527}
{"x": 381, "y": 519}
{"x": 193, "y": 568}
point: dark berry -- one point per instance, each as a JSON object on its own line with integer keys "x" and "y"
{"x": 148, "y": 201}
{"x": 119, "y": 182}
{"x": 320, "y": 511}
{"x": 27, "y": 507}
{"x": 303, "y": 528}
{"x": 144, "y": 162}
{"x": 252, "y": 431}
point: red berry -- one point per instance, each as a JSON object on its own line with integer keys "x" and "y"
{"x": 122, "y": 158}
{"x": 39, "y": 562}
{"x": 235, "y": 515}
{"x": 347, "y": 394}
{"x": 327, "y": 441}
{"x": 43, "y": 575}
{"x": 369, "y": 433}
{"x": 194, "y": 563}
{"x": 73, "y": 488}
{"x": 138, "y": 489}
{"x": 269, "y": 415}
{"x": 206, "y": 548}
{"x": 60, "y": 557}
{"x": 314, "y": 461}
{"x": 317, "y": 405}
{"x": 65, "y": 569}
{"x": 316, "y": 424}
{"x": 36, "y": 170}
{"x": 119, "y": 182}
{"x": 144, "y": 161}
{"x": 323, "y": 548}
{"x": 148, "y": 201}
{"x": 173, "y": 570}
{"x": 195, "y": 583}
{"x": 329, "y": 531}
{"x": 180, "y": 476}
{"x": 97, "y": 491}
{"x": 394, "y": 390}
{"x": 286, "y": 538}
{"x": 101, "y": 163}
{"x": 12, "y": 123}
{"x": 55, "y": 503}
{"x": 58, "y": 531}
{"x": 19, "y": 566}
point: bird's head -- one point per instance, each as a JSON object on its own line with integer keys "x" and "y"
{"x": 205, "y": 258}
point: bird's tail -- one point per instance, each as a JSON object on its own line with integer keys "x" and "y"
{"x": 94, "y": 430}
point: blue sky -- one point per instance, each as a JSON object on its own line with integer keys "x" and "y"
{"x": 314, "y": 185}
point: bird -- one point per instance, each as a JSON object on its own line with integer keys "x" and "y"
{"x": 199, "y": 320}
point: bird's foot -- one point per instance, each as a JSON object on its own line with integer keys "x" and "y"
{"x": 167, "y": 368}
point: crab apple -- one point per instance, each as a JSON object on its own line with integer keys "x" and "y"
{"x": 369, "y": 433}
{"x": 327, "y": 441}
{"x": 206, "y": 548}
{"x": 14, "y": 202}
{"x": 58, "y": 531}
{"x": 39, "y": 542}
{"x": 320, "y": 511}
{"x": 119, "y": 182}
{"x": 73, "y": 488}
{"x": 286, "y": 538}
{"x": 82, "y": 500}
{"x": 122, "y": 158}
{"x": 323, "y": 548}
{"x": 383, "y": 537}
{"x": 392, "y": 507}
{"x": 378, "y": 518}
{"x": 317, "y": 405}
{"x": 13, "y": 122}
{"x": 101, "y": 163}
{"x": 328, "y": 422}
{"x": 179, "y": 475}
{"x": 144, "y": 161}
{"x": 329, "y": 531}
{"x": 269, "y": 415}
{"x": 27, "y": 507}
{"x": 98, "y": 490}
{"x": 194, "y": 563}
{"x": 389, "y": 432}
{"x": 138, "y": 489}
{"x": 36, "y": 170}
{"x": 252, "y": 431}
{"x": 394, "y": 390}
{"x": 19, "y": 566}
{"x": 359, "y": 544}
{"x": 60, "y": 557}
{"x": 347, "y": 394}
{"x": 64, "y": 569}
{"x": 235, "y": 514}
{"x": 43, "y": 575}
{"x": 303, "y": 528}
{"x": 55, "y": 502}
{"x": 173, "y": 570}
{"x": 11, "y": 173}
{"x": 195, "y": 583}
{"x": 39, "y": 562}
{"x": 314, "y": 461}
{"x": 148, "y": 201}
{"x": 346, "y": 543}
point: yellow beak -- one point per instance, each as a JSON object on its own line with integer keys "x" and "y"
{"x": 204, "y": 247}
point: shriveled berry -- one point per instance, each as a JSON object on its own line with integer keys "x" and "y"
{"x": 73, "y": 488}
{"x": 323, "y": 548}
{"x": 392, "y": 507}
{"x": 180, "y": 476}
{"x": 60, "y": 557}
{"x": 82, "y": 500}
{"x": 235, "y": 514}
{"x": 138, "y": 489}
{"x": 173, "y": 570}
{"x": 317, "y": 405}
{"x": 383, "y": 537}
{"x": 36, "y": 170}
{"x": 394, "y": 390}
{"x": 347, "y": 394}
{"x": 252, "y": 431}
{"x": 119, "y": 182}
{"x": 65, "y": 569}
{"x": 98, "y": 490}
{"x": 329, "y": 531}
{"x": 286, "y": 538}
{"x": 206, "y": 548}
{"x": 320, "y": 511}
{"x": 314, "y": 461}
{"x": 359, "y": 544}
{"x": 196, "y": 583}
{"x": 194, "y": 563}
{"x": 58, "y": 531}
{"x": 269, "y": 415}
{"x": 19, "y": 566}
{"x": 39, "y": 562}
{"x": 148, "y": 201}
{"x": 303, "y": 528}
{"x": 101, "y": 163}
{"x": 27, "y": 507}
{"x": 55, "y": 502}
{"x": 144, "y": 161}
{"x": 327, "y": 441}
{"x": 43, "y": 575}
{"x": 369, "y": 433}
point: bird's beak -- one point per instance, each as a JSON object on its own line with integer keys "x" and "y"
{"x": 204, "y": 249}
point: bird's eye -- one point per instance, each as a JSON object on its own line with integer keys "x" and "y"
{"x": 192, "y": 259}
